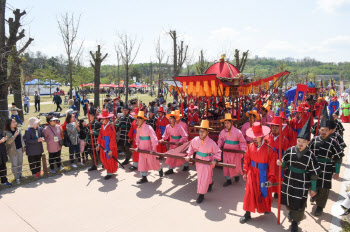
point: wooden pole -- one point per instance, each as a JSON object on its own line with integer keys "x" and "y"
{"x": 183, "y": 158}
{"x": 279, "y": 172}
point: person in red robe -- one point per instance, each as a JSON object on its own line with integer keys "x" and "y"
{"x": 107, "y": 144}
{"x": 319, "y": 105}
{"x": 273, "y": 141}
{"x": 259, "y": 168}
{"x": 162, "y": 122}
{"x": 287, "y": 131}
{"x": 192, "y": 117}
{"x": 132, "y": 140}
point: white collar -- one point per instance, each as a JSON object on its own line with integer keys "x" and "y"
{"x": 104, "y": 127}
{"x": 261, "y": 145}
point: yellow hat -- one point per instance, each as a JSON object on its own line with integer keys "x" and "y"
{"x": 177, "y": 117}
{"x": 320, "y": 98}
{"x": 141, "y": 114}
{"x": 227, "y": 117}
{"x": 177, "y": 112}
{"x": 204, "y": 125}
{"x": 228, "y": 105}
{"x": 253, "y": 112}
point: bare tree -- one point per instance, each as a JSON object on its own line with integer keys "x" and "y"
{"x": 128, "y": 49}
{"x": 97, "y": 59}
{"x": 69, "y": 31}
{"x": 179, "y": 53}
{"x": 10, "y": 51}
{"x": 160, "y": 54}
{"x": 118, "y": 71}
{"x": 240, "y": 62}
{"x": 202, "y": 64}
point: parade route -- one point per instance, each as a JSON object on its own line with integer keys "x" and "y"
{"x": 84, "y": 201}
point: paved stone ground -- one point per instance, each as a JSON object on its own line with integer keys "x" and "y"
{"x": 83, "y": 201}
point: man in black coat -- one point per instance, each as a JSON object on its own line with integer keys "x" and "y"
{"x": 3, "y": 160}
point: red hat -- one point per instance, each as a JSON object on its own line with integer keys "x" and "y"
{"x": 161, "y": 109}
{"x": 299, "y": 109}
{"x": 283, "y": 115}
{"x": 257, "y": 130}
{"x": 335, "y": 98}
{"x": 276, "y": 121}
{"x": 192, "y": 107}
{"x": 285, "y": 101}
{"x": 136, "y": 111}
{"x": 117, "y": 98}
{"x": 105, "y": 114}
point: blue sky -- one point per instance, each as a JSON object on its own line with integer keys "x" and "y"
{"x": 280, "y": 28}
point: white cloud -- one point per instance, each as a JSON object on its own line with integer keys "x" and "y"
{"x": 251, "y": 29}
{"x": 224, "y": 33}
{"x": 330, "y": 6}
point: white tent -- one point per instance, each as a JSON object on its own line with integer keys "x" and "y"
{"x": 43, "y": 87}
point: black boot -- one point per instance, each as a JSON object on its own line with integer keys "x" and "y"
{"x": 275, "y": 195}
{"x": 227, "y": 183}
{"x": 161, "y": 173}
{"x": 318, "y": 211}
{"x": 169, "y": 172}
{"x": 92, "y": 168}
{"x": 210, "y": 186}
{"x": 108, "y": 177}
{"x": 245, "y": 218}
{"x": 200, "y": 198}
{"x": 186, "y": 168}
{"x": 143, "y": 180}
{"x": 289, "y": 217}
{"x": 236, "y": 179}
{"x": 126, "y": 161}
{"x": 294, "y": 227}
{"x": 132, "y": 168}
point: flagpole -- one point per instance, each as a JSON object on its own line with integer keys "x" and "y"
{"x": 279, "y": 172}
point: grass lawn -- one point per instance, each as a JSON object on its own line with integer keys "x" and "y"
{"x": 45, "y": 108}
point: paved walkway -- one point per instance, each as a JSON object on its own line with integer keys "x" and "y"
{"x": 84, "y": 201}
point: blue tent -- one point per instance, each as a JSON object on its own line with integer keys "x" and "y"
{"x": 290, "y": 94}
{"x": 40, "y": 82}
{"x": 311, "y": 84}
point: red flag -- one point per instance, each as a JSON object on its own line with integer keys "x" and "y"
{"x": 300, "y": 95}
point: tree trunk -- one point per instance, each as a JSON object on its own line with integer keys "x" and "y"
{"x": 70, "y": 78}
{"x": 126, "y": 85}
{"x": 97, "y": 82}
{"x": 3, "y": 68}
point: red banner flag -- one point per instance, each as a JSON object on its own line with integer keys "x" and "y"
{"x": 300, "y": 95}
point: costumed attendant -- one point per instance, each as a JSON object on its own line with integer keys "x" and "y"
{"x": 252, "y": 116}
{"x": 258, "y": 167}
{"x": 329, "y": 156}
{"x": 176, "y": 134}
{"x": 301, "y": 173}
{"x": 146, "y": 139}
{"x": 132, "y": 140}
{"x": 333, "y": 106}
{"x": 206, "y": 149}
{"x": 107, "y": 144}
{"x": 231, "y": 138}
{"x": 181, "y": 123}
{"x": 287, "y": 131}
{"x": 345, "y": 108}
{"x": 162, "y": 122}
{"x": 314, "y": 127}
{"x": 297, "y": 122}
{"x": 265, "y": 118}
{"x": 339, "y": 126}
{"x": 95, "y": 130}
{"x": 192, "y": 117}
{"x": 273, "y": 141}
{"x": 335, "y": 135}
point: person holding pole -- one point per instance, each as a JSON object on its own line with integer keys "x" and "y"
{"x": 175, "y": 134}
{"x": 259, "y": 168}
{"x": 107, "y": 144}
{"x": 301, "y": 173}
{"x": 231, "y": 138}
{"x": 147, "y": 140}
{"x": 206, "y": 149}
{"x": 94, "y": 130}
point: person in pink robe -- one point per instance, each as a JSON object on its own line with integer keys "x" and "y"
{"x": 206, "y": 149}
{"x": 176, "y": 134}
{"x": 265, "y": 118}
{"x": 181, "y": 123}
{"x": 231, "y": 138}
{"x": 146, "y": 139}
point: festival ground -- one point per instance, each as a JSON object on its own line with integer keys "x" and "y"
{"x": 84, "y": 201}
